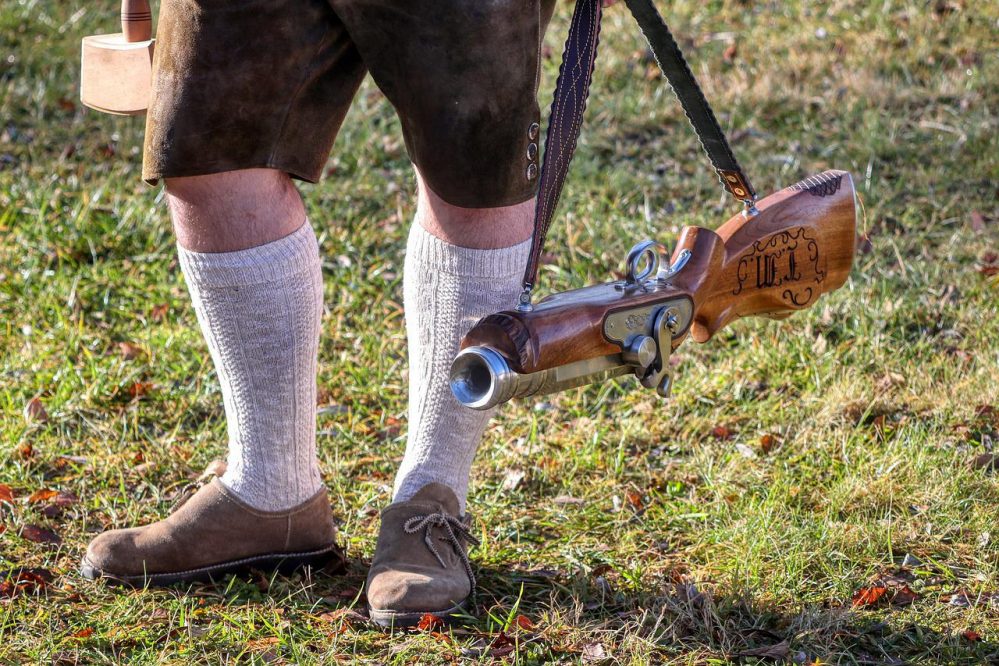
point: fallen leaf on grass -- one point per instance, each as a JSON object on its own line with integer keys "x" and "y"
{"x": 130, "y": 351}
{"x": 977, "y": 221}
{"x": 987, "y": 413}
{"x": 34, "y": 410}
{"x": 778, "y": 651}
{"x": 39, "y": 534}
{"x": 501, "y": 646}
{"x": 86, "y": 632}
{"x": 42, "y": 495}
{"x": 593, "y": 652}
{"x": 512, "y": 479}
{"x": 430, "y": 622}
{"x": 721, "y": 432}
{"x": 634, "y": 500}
{"x": 731, "y": 53}
{"x": 767, "y": 443}
{"x": 523, "y": 622}
{"x": 159, "y": 312}
{"x": 24, "y": 581}
{"x": 6, "y": 494}
{"x": 864, "y": 244}
{"x": 564, "y": 500}
{"x": 139, "y": 389}
{"x": 900, "y": 595}
{"x": 347, "y": 616}
{"x": 972, "y": 635}
{"x": 986, "y": 461}
{"x": 965, "y": 600}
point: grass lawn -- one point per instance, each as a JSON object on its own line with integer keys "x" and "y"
{"x": 799, "y": 467}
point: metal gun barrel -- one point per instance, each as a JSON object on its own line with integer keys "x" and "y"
{"x": 482, "y": 378}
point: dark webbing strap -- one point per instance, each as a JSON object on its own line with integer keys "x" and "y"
{"x": 569, "y": 102}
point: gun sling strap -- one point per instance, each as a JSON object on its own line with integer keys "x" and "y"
{"x": 569, "y": 102}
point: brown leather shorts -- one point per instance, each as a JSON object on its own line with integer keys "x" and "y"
{"x": 239, "y": 84}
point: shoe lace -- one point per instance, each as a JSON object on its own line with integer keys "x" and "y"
{"x": 454, "y": 530}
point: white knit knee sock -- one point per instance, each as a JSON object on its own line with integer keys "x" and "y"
{"x": 446, "y": 290}
{"x": 260, "y": 311}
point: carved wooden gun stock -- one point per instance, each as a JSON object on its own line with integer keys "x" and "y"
{"x": 798, "y": 245}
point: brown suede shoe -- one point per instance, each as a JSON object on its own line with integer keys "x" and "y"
{"x": 420, "y": 565}
{"x": 211, "y": 534}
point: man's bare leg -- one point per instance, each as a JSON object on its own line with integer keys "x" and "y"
{"x": 235, "y": 210}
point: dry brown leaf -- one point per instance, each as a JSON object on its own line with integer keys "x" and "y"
{"x": 159, "y": 312}
{"x": 767, "y": 443}
{"x": 129, "y": 351}
{"x": 39, "y": 534}
{"x": 6, "y": 493}
{"x": 634, "y": 500}
{"x": 24, "y": 581}
{"x": 895, "y": 595}
{"x": 731, "y": 53}
{"x": 34, "y": 410}
{"x": 41, "y": 495}
{"x": 986, "y": 461}
{"x": 977, "y": 221}
{"x": 972, "y": 635}
{"x": 778, "y": 651}
{"x": 721, "y": 432}
{"x": 139, "y": 389}
{"x": 523, "y": 622}
{"x": 593, "y": 652}
{"x": 430, "y": 622}
{"x": 86, "y": 632}
{"x": 864, "y": 244}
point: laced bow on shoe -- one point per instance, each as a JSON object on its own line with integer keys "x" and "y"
{"x": 453, "y": 527}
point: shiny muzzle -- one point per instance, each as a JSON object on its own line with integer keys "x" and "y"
{"x": 482, "y": 378}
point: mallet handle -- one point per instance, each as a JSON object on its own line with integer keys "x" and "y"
{"x": 136, "y": 20}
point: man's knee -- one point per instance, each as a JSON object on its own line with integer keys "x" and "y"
{"x": 233, "y": 210}
{"x": 246, "y": 185}
{"x": 483, "y": 228}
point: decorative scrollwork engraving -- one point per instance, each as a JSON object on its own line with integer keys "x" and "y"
{"x": 778, "y": 261}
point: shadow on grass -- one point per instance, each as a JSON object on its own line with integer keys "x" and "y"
{"x": 679, "y": 619}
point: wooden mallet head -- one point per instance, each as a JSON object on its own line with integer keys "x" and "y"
{"x": 116, "y": 70}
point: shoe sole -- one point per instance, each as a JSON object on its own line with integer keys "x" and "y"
{"x": 282, "y": 562}
{"x": 388, "y": 619}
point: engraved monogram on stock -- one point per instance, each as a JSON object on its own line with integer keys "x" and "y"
{"x": 797, "y": 246}
{"x": 789, "y": 258}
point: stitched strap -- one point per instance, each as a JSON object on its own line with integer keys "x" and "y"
{"x": 569, "y": 102}
{"x": 564, "y": 122}
{"x": 674, "y": 66}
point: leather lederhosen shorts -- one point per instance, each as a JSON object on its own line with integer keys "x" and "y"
{"x": 239, "y": 84}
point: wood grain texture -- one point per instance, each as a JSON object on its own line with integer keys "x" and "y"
{"x": 136, "y": 20}
{"x": 799, "y": 246}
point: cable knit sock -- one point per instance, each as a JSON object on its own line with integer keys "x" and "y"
{"x": 260, "y": 311}
{"x": 446, "y": 289}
